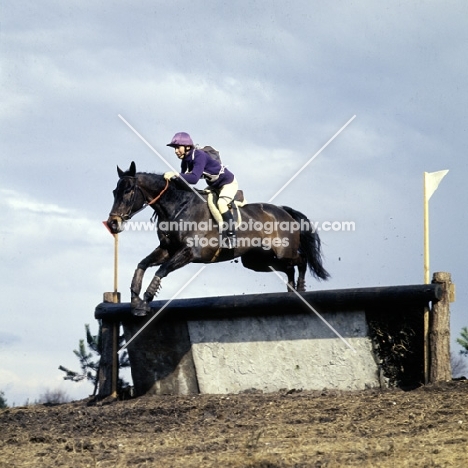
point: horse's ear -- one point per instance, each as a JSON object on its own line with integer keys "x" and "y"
{"x": 132, "y": 170}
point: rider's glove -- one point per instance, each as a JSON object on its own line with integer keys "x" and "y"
{"x": 170, "y": 175}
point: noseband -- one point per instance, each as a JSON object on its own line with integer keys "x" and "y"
{"x": 127, "y": 216}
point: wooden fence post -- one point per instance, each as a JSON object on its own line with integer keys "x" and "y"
{"x": 439, "y": 331}
{"x": 109, "y": 365}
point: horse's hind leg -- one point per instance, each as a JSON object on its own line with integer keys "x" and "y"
{"x": 290, "y": 274}
{"x": 301, "y": 285}
{"x": 291, "y": 283}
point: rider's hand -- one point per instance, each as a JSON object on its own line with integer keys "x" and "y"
{"x": 170, "y": 175}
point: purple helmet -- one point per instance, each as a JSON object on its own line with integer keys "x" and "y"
{"x": 180, "y": 139}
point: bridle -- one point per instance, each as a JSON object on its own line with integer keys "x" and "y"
{"x": 129, "y": 214}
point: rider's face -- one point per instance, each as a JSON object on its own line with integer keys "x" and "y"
{"x": 180, "y": 151}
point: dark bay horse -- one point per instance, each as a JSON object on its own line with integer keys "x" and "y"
{"x": 268, "y": 236}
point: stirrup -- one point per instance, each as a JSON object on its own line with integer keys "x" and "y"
{"x": 228, "y": 241}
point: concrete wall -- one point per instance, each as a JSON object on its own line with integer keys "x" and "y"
{"x": 283, "y": 352}
{"x": 294, "y": 351}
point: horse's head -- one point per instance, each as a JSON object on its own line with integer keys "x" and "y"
{"x": 128, "y": 199}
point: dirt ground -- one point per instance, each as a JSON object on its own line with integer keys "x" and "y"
{"x": 426, "y": 427}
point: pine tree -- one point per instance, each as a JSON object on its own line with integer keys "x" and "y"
{"x": 3, "y": 402}
{"x": 463, "y": 341}
{"x": 89, "y": 360}
{"x": 459, "y": 365}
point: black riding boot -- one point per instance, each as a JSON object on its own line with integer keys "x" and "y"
{"x": 229, "y": 233}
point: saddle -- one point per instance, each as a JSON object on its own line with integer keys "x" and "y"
{"x": 236, "y": 203}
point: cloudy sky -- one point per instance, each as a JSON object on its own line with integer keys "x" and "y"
{"x": 268, "y": 83}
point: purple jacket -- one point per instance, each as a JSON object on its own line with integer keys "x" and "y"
{"x": 197, "y": 164}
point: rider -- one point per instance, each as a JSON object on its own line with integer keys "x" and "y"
{"x": 195, "y": 165}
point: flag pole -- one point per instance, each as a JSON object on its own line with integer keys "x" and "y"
{"x": 116, "y": 264}
{"x": 115, "y": 325}
{"x": 430, "y": 184}
{"x": 426, "y": 278}
{"x": 426, "y": 232}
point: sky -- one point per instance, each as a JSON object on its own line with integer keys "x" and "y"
{"x": 267, "y": 83}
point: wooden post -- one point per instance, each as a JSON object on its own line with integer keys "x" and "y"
{"x": 115, "y": 358}
{"x": 439, "y": 331}
{"x": 105, "y": 364}
{"x": 427, "y": 345}
{"x": 109, "y": 365}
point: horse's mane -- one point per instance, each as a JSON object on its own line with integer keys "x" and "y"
{"x": 149, "y": 174}
{"x": 178, "y": 189}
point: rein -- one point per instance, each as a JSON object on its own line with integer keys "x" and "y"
{"x": 156, "y": 198}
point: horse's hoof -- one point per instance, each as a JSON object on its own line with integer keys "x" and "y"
{"x": 135, "y": 302}
{"x": 301, "y": 286}
{"x": 140, "y": 309}
{"x": 139, "y": 312}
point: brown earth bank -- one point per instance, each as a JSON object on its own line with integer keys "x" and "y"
{"x": 426, "y": 427}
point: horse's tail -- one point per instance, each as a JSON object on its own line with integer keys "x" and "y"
{"x": 310, "y": 244}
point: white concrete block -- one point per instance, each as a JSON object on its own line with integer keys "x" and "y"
{"x": 283, "y": 352}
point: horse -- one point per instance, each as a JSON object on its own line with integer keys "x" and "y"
{"x": 269, "y": 237}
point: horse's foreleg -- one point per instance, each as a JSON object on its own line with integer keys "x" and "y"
{"x": 137, "y": 281}
{"x": 181, "y": 258}
{"x": 156, "y": 257}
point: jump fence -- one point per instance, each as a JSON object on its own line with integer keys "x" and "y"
{"x": 347, "y": 339}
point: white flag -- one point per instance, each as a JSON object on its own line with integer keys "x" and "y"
{"x": 432, "y": 181}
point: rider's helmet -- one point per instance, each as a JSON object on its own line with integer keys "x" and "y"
{"x": 180, "y": 139}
